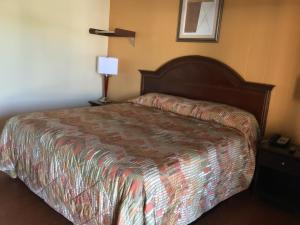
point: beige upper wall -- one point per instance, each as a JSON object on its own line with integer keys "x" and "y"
{"x": 47, "y": 56}
{"x": 259, "y": 38}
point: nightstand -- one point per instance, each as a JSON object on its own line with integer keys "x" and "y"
{"x": 98, "y": 103}
{"x": 277, "y": 175}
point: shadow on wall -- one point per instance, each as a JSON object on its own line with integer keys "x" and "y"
{"x": 2, "y": 123}
{"x": 297, "y": 89}
{"x": 297, "y": 109}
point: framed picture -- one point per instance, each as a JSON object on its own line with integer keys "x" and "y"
{"x": 199, "y": 20}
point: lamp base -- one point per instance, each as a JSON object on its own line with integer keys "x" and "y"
{"x": 104, "y": 100}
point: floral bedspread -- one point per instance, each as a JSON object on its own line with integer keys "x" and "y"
{"x": 126, "y": 163}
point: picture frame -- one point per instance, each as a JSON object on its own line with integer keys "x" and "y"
{"x": 199, "y": 20}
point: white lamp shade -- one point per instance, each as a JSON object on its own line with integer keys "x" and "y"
{"x": 107, "y": 65}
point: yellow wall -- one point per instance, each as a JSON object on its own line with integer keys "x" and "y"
{"x": 259, "y": 38}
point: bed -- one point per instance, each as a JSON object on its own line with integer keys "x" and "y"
{"x": 166, "y": 157}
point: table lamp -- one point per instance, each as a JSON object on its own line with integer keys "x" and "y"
{"x": 106, "y": 66}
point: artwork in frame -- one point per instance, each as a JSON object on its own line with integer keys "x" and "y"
{"x": 199, "y": 20}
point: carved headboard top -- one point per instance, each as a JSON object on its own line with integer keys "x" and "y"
{"x": 203, "y": 78}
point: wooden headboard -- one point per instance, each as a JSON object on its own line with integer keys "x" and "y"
{"x": 203, "y": 78}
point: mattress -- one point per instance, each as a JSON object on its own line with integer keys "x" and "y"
{"x": 127, "y": 163}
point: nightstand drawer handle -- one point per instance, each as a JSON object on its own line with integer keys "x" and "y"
{"x": 283, "y": 163}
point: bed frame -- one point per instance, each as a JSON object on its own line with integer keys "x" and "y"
{"x": 203, "y": 78}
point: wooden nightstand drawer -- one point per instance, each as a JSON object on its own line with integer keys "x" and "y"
{"x": 98, "y": 103}
{"x": 279, "y": 162}
{"x": 277, "y": 175}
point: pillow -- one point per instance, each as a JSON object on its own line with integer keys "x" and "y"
{"x": 223, "y": 114}
{"x": 182, "y": 106}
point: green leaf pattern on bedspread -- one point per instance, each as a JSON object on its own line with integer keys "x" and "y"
{"x": 127, "y": 163}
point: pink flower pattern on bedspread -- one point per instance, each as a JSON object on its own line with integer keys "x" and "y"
{"x": 127, "y": 163}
